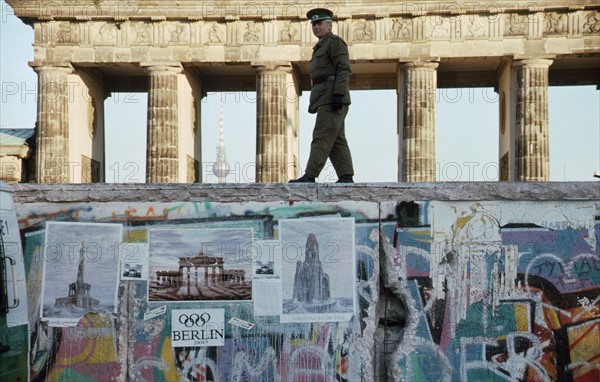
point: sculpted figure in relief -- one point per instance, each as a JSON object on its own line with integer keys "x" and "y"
{"x": 592, "y": 23}
{"x": 517, "y": 24}
{"x": 107, "y": 34}
{"x": 176, "y": 35}
{"x": 553, "y": 23}
{"x": 252, "y": 33}
{"x": 288, "y": 33}
{"x": 476, "y": 27}
{"x": 214, "y": 33}
{"x": 66, "y": 33}
{"x": 401, "y": 29}
{"x": 142, "y": 33}
{"x": 363, "y": 31}
{"x": 441, "y": 28}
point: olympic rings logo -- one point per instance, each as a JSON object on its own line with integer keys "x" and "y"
{"x": 194, "y": 319}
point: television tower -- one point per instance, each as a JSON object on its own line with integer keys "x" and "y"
{"x": 221, "y": 167}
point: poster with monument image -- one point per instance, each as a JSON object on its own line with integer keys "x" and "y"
{"x": 318, "y": 273}
{"x": 200, "y": 264}
{"x": 81, "y": 270}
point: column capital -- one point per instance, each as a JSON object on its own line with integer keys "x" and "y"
{"x": 284, "y": 66}
{"x": 164, "y": 67}
{"x": 419, "y": 64}
{"x": 533, "y": 62}
{"x": 41, "y": 67}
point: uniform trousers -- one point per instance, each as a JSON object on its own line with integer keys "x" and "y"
{"x": 329, "y": 141}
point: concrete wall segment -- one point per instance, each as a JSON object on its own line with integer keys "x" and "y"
{"x": 438, "y": 237}
{"x": 473, "y": 266}
{"x": 273, "y": 351}
{"x": 375, "y": 192}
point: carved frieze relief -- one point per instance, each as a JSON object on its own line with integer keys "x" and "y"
{"x": 440, "y": 27}
{"x": 591, "y": 23}
{"x": 289, "y": 33}
{"x": 142, "y": 32}
{"x": 67, "y": 33}
{"x": 399, "y": 29}
{"x": 402, "y": 29}
{"x": 516, "y": 24}
{"x": 215, "y": 33}
{"x": 107, "y": 35}
{"x": 476, "y": 27}
{"x": 178, "y": 33}
{"x": 363, "y": 30}
{"x": 253, "y": 33}
{"x": 555, "y": 23}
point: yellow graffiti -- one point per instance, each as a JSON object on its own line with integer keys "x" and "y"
{"x": 583, "y": 348}
{"x": 77, "y": 358}
{"x": 139, "y": 235}
{"x": 522, "y": 317}
{"x": 166, "y": 355}
{"x": 55, "y": 375}
{"x": 99, "y": 349}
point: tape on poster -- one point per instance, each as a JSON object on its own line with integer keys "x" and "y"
{"x": 155, "y": 312}
{"x": 241, "y": 323}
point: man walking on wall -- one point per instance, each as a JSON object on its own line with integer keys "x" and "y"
{"x": 329, "y": 99}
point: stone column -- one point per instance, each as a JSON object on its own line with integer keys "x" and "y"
{"x": 293, "y": 125}
{"x": 162, "y": 151}
{"x": 416, "y": 89}
{"x": 272, "y": 123}
{"x": 532, "y": 159}
{"x": 52, "y": 141}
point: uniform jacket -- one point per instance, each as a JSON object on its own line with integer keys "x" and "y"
{"x": 330, "y": 58}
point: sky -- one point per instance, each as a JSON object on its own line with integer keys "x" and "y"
{"x": 168, "y": 245}
{"x": 466, "y": 126}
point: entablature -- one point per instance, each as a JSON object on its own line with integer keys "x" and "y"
{"x": 233, "y": 10}
{"x": 219, "y": 40}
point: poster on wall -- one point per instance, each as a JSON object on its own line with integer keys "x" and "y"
{"x": 267, "y": 258}
{"x": 81, "y": 270}
{"x": 200, "y": 264}
{"x": 197, "y": 327}
{"x": 134, "y": 261}
{"x": 318, "y": 274}
{"x": 266, "y": 283}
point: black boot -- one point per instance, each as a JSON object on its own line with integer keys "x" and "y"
{"x": 345, "y": 179}
{"x": 303, "y": 179}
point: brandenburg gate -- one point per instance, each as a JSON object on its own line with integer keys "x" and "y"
{"x": 177, "y": 51}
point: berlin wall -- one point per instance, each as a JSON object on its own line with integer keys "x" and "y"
{"x": 277, "y": 282}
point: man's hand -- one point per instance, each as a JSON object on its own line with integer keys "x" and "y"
{"x": 336, "y": 102}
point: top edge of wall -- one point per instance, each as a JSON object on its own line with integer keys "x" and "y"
{"x": 318, "y": 192}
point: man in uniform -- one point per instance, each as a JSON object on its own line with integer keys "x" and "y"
{"x": 329, "y": 99}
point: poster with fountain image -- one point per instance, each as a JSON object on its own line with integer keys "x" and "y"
{"x": 318, "y": 269}
{"x": 81, "y": 270}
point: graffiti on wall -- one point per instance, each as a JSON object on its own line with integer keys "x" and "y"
{"x": 489, "y": 290}
{"x": 137, "y": 340}
{"x": 503, "y": 291}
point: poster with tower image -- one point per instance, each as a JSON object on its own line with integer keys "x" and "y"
{"x": 81, "y": 271}
{"x": 318, "y": 273}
